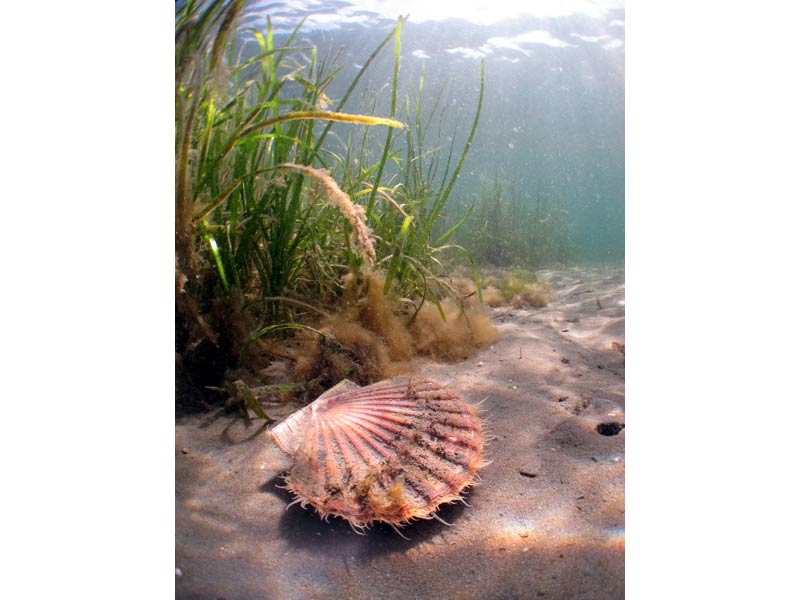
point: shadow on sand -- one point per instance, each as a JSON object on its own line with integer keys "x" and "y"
{"x": 303, "y": 528}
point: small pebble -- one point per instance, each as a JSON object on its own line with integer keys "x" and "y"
{"x": 178, "y": 572}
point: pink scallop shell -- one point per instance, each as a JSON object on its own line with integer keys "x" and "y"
{"x": 390, "y": 452}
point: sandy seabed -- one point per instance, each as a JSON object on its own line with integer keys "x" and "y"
{"x": 546, "y": 521}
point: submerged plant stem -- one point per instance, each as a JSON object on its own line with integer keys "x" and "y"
{"x": 327, "y": 116}
{"x": 334, "y": 195}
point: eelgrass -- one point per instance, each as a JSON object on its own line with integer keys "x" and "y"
{"x": 509, "y": 229}
{"x": 268, "y": 219}
{"x": 230, "y": 136}
{"x": 413, "y": 257}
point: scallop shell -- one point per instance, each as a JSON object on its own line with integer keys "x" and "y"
{"x": 386, "y": 452}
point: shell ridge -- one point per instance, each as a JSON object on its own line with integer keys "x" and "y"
{"x": 376, "y": 425}
{"x": 397, "y": 416}
{"x": 359, "y": 422}
{"x": 362, "y": 392}
{"x": 448, "y": 407}
{"x": 312, "y": 440}
{"x": 418, "y": 488}
{"x": 441, "y": 473}
{"x": 332, "y": 467}
{"x": 467, "y": 425}
{"x": 395, "y": 434}
{"x": 350, "y": 429}
{"x": 408, "y": 405}
{"x": 391, "y": 398}
{"x": 380, "y": 408}
{"x": 349, "y": 459}
{"x": 453, "y": 460}
{"x": 441, "y": 468}
{"x": 353, "y": 442}
{"x": 432, "y": 491}
{"x": 377, "y": 447}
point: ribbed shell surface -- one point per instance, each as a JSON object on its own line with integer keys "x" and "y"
{"x": 386, "y": 452}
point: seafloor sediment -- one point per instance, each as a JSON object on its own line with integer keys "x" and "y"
{"x": 546, "y": 521}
